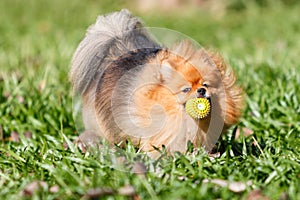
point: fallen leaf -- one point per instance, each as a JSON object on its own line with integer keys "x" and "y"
{"x": 214, "y": 155}
{"x": 121, "y": 160}
{"x": 127, "y": 190}
{"x": 7, "y": 94}
{"x": 33, "y": 187}
{"x": 136, "y": 197}
{"x": 139, "y": 169}
{"x": 54, "y": 189}
{"x": 27, "y": 135}
{"x": 238, "y": 186}
{"x": 256, "y": 195}
{"x": 14, "y": 137}
{"x": 42, "y": 85}
{"x": 181, "y": 178}
{"x": 98, "y": 192}
{"x": 20, "y": 99}
{"x": 233, "y": 186}
{"x": 65, "y": 145}
{"x": 246, "y": 132}
{"x": 284, "y": 196}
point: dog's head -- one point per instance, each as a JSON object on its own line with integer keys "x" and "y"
{"x": 188, "y": 73}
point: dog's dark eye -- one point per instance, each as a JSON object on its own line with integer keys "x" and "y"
{"x": 186, "y": 90}
{"x": 205, "y": 84}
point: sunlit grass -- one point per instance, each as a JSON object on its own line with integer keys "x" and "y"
{"x": 37, "y": 40}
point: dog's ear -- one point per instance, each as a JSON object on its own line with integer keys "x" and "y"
{"x": 218, "y": 61}
{"x": 234, "y": 93}
{"x": 166, "y": 71}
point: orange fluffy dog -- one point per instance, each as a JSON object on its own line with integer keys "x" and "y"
{"x": 132, "y": 88}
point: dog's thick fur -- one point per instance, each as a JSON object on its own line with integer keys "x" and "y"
{"x": 131, "y": 87}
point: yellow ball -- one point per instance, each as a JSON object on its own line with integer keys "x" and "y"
{"x": 198, "y": 108}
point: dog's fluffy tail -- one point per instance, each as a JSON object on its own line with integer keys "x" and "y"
{"x": 111, "y": 36}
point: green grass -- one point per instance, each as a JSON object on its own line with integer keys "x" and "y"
{"x": 37, "y": 40}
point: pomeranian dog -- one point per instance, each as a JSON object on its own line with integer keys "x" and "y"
{"x": 133, "y": 88}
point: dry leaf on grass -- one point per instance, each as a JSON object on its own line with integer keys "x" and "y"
{"x": 284, "y": 196}
{"x": 256, "y": 195}
{"x": 121, "y": 160}
{"x": 127, "y": 190}
{"x": 233, "y": 186}
{"x": 7, "y": 95}
{"x": 14, "y": 137}
{"x": 214, "y": 155}
{"x": 246, "y": 132}
{"x": 65, "y": 145}
{"x": 20, "y": 99}
{"x": 98, "y": 192}
{"x": 54, "y": 189}
{"x": 139, "y": 169}
{"x": 34, "y": 187}
{"x": 42, "y": 85}
{"x": 28, "y": 135}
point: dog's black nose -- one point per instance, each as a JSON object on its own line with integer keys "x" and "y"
{"x": 201, "y": 91}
